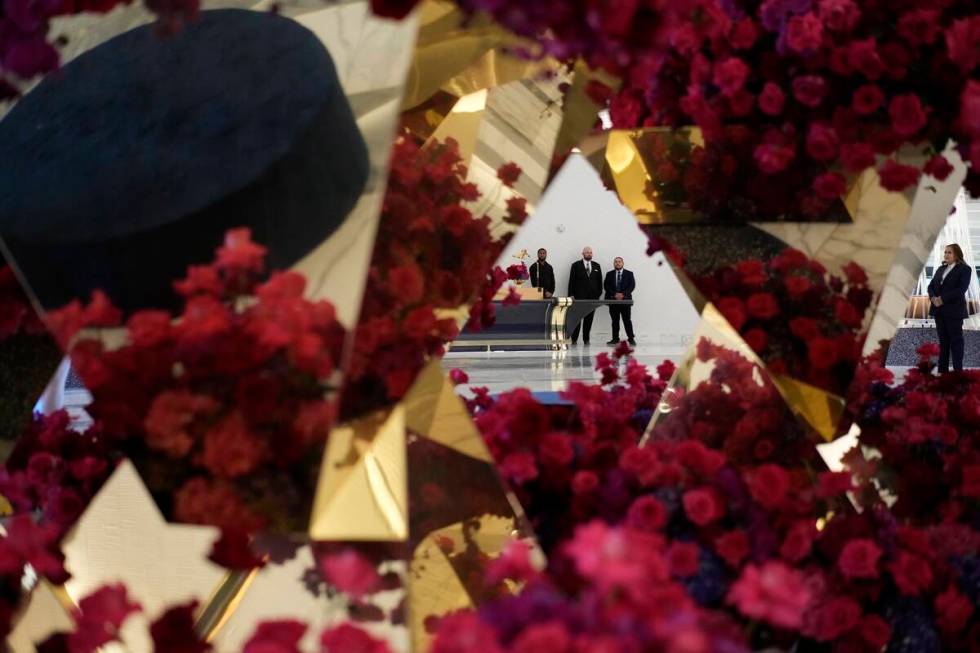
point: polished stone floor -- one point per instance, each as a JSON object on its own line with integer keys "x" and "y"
{"x": 545, "y": 371}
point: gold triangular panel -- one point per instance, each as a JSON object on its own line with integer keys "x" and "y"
{"x": 362, "y": 492}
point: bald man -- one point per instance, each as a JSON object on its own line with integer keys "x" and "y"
{"x": 585, "y": 282}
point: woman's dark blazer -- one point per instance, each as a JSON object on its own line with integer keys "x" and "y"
{"x": 952, "y": 290}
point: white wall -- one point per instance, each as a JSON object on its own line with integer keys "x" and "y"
{"x": 576, "y": 211}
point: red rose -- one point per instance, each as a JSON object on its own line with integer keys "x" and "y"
{"x": 859, "y": 559}
{"x": 174, "y": 631}
{"x": 830, "y": 185}
{"x": 833, "y": 484}
{"x": 839, "y": 15}
{"x": 350, "y": 572}
{"x": 555, "y": 449}
{"x": 771, "y": 99}
{"x": 970, "y": 486}
{"x": 734, "y": 311}
{"x": 233, "y": 551}
{"x": 797, "y": 286}
{"x": 756, "y": 339}
{"x": 551, "y": 636}
{"x": 821, "y": 142}
{"x": 919, "y": 27}
{"x": 99, "y": 617}
{"x": 730, "y": 75}
{"x": 961, "y": 42}
{"x": 458, "y": 376}
{"x": 953, "y": 611}
{"x": 857, "y": 156}
{"x": 773, "y": 158}
{"x": 846, "y": 314}
{"x": 752, "y": 272}
{"x": 809, "y": 90}
{"x": 516, "y": 210}
{"x": 276, "y": 637}
{"x": 799, "y": 541}
{"x": 508, "y": 174}
{"x": 647, "y": 513}
{"x": 897, "y": 176}
{"x": 804, "y": 33}
{"x": 743, "y": 34}
{"x": 938, "y": 167}
{"x": 856, "y": 276}
{"x": 352, "y": 639}
{"x": 762, "y": 305}
{"x": 519, "y": 467}
{"x": 733, "y": 547}
{"x": 584, "y": 482}
{"x": 912, "y": 574}
{"x": 875, "y": 631}
{"x": 867, "y": 99}
{"x": 970, "y": 108}
{"x": 907, "y": 114}
{"x": 769, "y": 485}
{"x": 682, "y": 558}
{"x": 822, "y": 353}
{"x": 864, "y": 58}
{"x": 406, "y": 283}
{"x": 703, "y": 506}
{"x": 231, "y": 448}
{"x": 832, "y": 619}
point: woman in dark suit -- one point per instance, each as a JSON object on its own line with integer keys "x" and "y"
{"x": 947, "y": 292}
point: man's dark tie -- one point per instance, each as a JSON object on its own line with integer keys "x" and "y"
{"x": 619, "y": 279}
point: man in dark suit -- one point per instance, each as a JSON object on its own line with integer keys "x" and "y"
{"x": 543, "y": 275}
{"x": 585, "y": 282}
{"x": 947, "y": 293}
{"x": 620, "y": 284}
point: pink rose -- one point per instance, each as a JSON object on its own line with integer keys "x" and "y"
{"x": 774, "y": 593}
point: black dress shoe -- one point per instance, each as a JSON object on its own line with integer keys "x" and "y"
{"x": 586, "y": 342}
{"x": 574, "y": 342}
{"x": 613, "y": 342}
{"x": 632, "y": 342}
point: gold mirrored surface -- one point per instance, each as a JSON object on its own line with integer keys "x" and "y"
{"x": 362, "y": 493}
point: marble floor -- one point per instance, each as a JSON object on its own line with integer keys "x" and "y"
{"x": 545, "y": 371}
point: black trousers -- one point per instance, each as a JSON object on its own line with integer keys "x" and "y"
{"x": 585, "y": 325}
{"x": 615, "y": 311}
{"x": 950, "y": 332}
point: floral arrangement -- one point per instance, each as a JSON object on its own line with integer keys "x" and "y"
{"x": 705, "y": 181}
{"x": 519, "y": 272}
{"x": 801, "y": 320}
{"x": 26, "y": 49}
{"x": 804, "y": 92}
{"x": 700, "y": 545}
{"x": 431, "y": 255}
{"x": 225, "y": 410}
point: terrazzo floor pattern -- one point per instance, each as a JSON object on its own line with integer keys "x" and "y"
{"x": 500, "y": 371}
